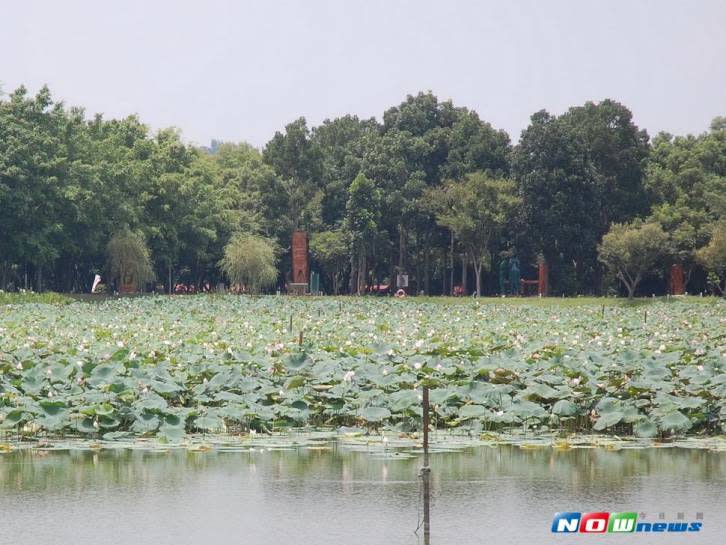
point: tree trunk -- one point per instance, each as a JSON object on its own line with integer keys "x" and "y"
{"x": 392, "y": 272}
{"x": 444, "y": 272}
{"x": 362, "y": 276}
{"x": 401, "y": 248}
{"x": 630, "y": 282}
{"x": 477, "y": 273}
{"x": 463, "y": 274}
{"x": 451, "y": 263}
{"x": 427, "y": 263}
{"x": 353, "y": 281}
{"x": 38, "y": 278}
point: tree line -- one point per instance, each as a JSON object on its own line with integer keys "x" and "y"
{"x": 431, "y": 190}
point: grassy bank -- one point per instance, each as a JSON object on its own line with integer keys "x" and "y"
{"x": 29, "y": 297}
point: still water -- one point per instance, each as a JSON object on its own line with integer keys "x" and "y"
{"x": 304, "y": 496}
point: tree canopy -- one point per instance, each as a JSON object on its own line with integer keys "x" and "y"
{"x": 632, "y": 250}
{"x": 429, "y": 182}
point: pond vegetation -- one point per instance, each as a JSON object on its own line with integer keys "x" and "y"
{"x": 184, "y": 370}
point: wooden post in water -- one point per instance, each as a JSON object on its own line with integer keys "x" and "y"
{"x": 426, "y": 470}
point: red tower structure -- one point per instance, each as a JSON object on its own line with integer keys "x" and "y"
{"x": 677, "y": 280}
{"x": 300, "y": 263}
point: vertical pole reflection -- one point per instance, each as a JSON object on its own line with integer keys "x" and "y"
{"x": 426, "y": 470}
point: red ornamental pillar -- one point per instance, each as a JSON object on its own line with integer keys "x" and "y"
{"x": 300, "y": 263}
{"x": 542, "y": 278}
{"x": 677, "y": 280}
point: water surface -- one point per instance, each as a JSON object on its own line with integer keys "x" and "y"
{"x": 336, "y": 496}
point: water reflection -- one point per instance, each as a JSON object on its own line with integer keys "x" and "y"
{"x": 340, "y": 496}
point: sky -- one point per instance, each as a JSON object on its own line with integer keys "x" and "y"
{"x": 241, "y": 70}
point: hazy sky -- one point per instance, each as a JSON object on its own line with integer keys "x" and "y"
{"x": 239, "y": 70}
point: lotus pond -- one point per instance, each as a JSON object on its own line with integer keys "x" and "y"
{"x": 174, "y": 369}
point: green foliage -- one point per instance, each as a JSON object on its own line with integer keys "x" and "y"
{"x": 128, "y": 259}
{"x": 578, "y": 173}
{"x": 363, "y": 216}
{"x": 46, "y": 298}
{"x": 631, "y": 251}
{"x": 686, "y": 178}
{"x": 69, "y": 183}
{"x": 330, "y": 249}
{"x": 713, "y": 257}
{"x": 477, "y": 210}
{"x": 168, "y": 366}
{"x": 249, "y": 261}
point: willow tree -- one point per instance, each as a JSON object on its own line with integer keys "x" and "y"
{"x": 249, "y": 261}
{"x": 129, "y": 259}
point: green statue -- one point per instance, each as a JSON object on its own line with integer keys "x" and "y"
{"x": 514, "y": 275}
{"x": 503, "y": 266}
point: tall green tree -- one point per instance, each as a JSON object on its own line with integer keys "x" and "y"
{"x": 477, "y": 210}
{"x": 713, "y": 257}
{"x": 577, "y": 173}
{"x": 331, "y": 250}
{"x": 363, "y": 215}
{"x": 686, "y": 179}
{"x": 296, "y": 159}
